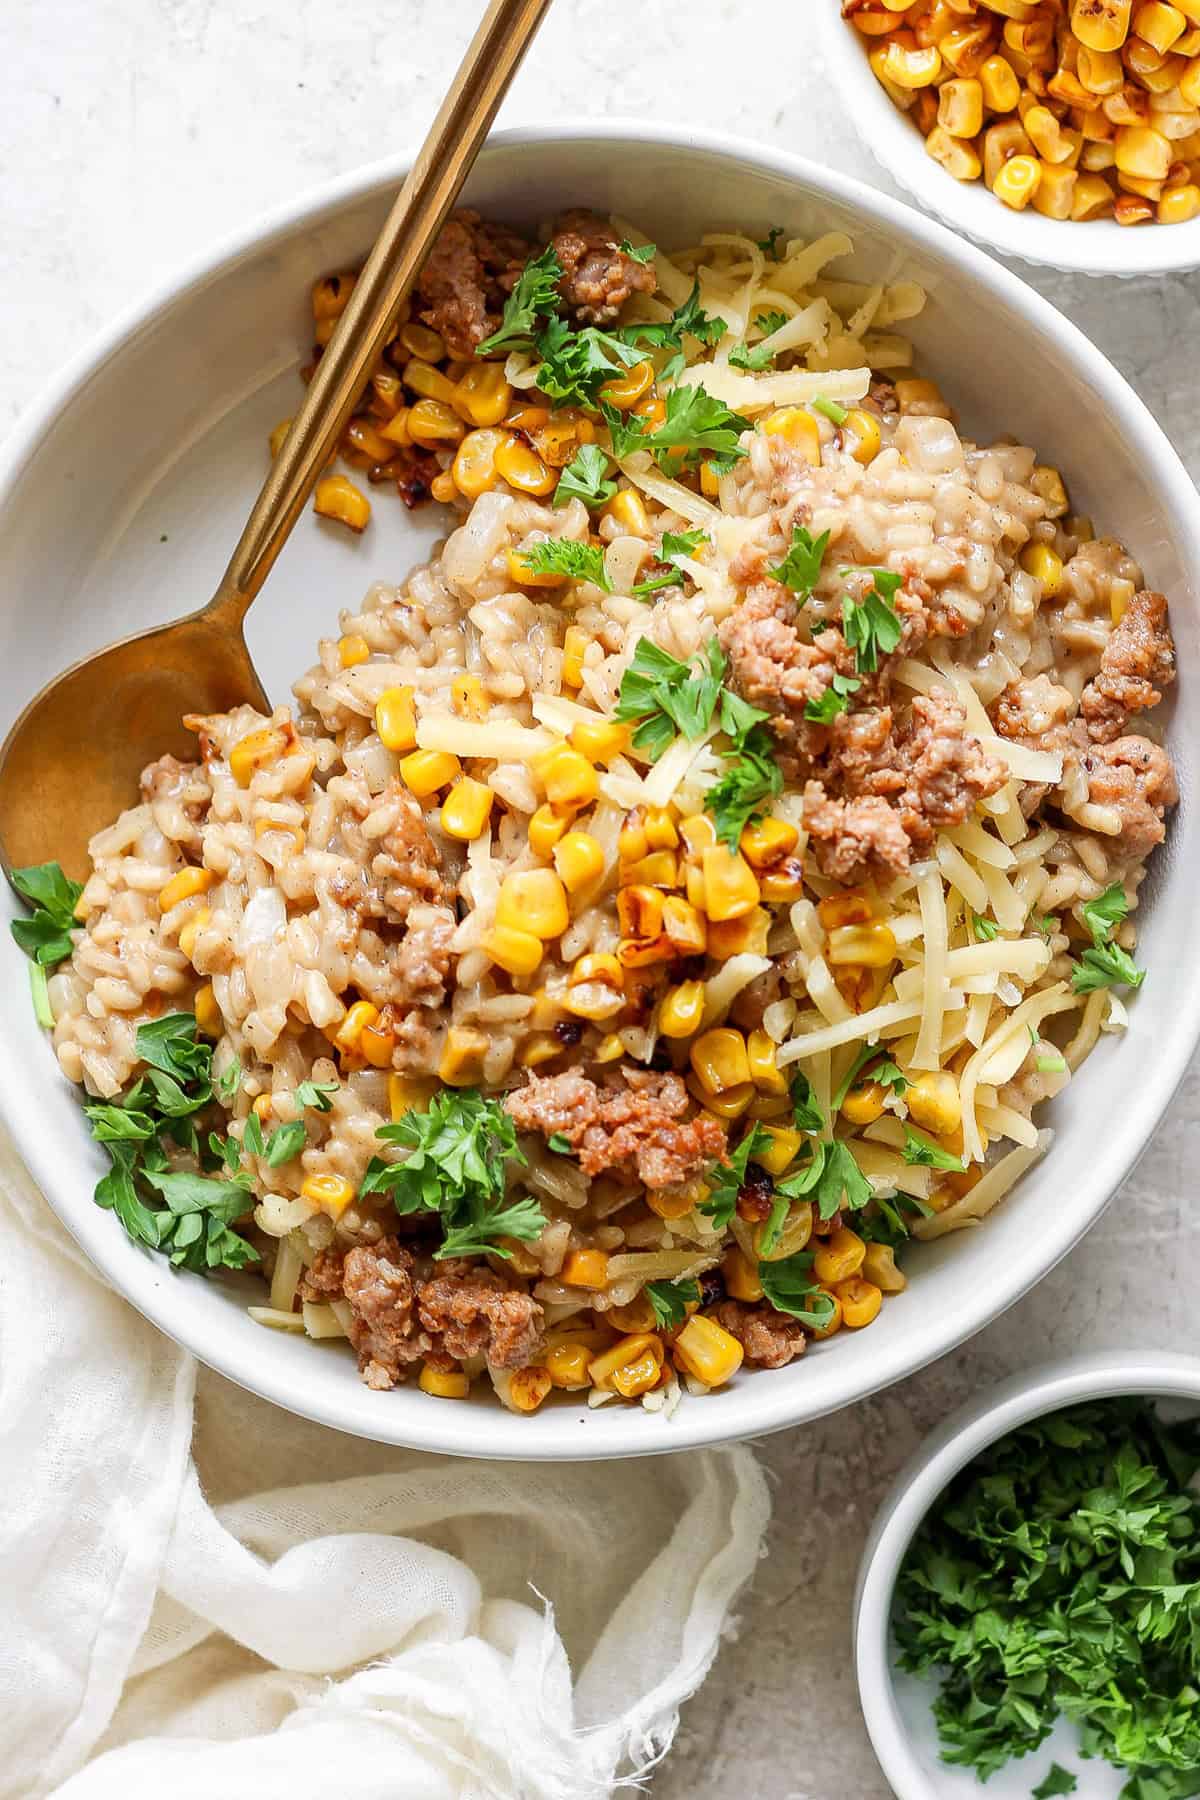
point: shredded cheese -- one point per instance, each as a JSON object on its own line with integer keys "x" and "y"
{"x": 494, "y": 740}
{"x": 934, "y": 977}
{"x": 748, "y": 393}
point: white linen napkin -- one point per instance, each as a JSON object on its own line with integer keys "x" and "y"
{"x": 267, "y": 1608}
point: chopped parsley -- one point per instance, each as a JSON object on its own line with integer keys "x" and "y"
{"x": 806, "y": 1109}
{"x": 576, "y": 364}
{"x": 458, "y": 1155}
{"x": 885, "y": 1073}
{"x": 316, "y": 1094}
{"x": 801, "y": 566}
{"x": 725, "y": 1179}
{"x": 535, "y": 294}
{"x": 688, "y": 320}
{"x": 695, "y": 424}
{"x": 872, "y": 624}
{"x": 770, "y": 244}
{"x": 286, "y": 1142}
{"x": 645, "y": 253}
{"x": 682, "y": 543}
{"x": 670, "y": 1301}
{"x": 984, "y": 931}
{"x": 918, "y": 1149}
{"x": 788, "y": 1286}
{"x": 668, "y": 696}
{"x": 586, "y": 478}
{"x": 750, "y": 778}
{"x": 674, "y": 544}
{"x": 771, "y": 322}
{"x": 831, "y": 1177}
{"x": 228, "y": 1082}
{"x": 654, "y": 584}
{"x": 560, "y": 1143}
{"x": 1105, "y": 964}
{"x": 754, "y": 360}
{"x": 46, "y": 936}
{"x": 1046, "y": 925}
{"x": 833, "y": 701}
{"x": 565, "y": 556}
{"x": 833, "y": 410}
{"x": 1058, "y": 1781}
{"x": 1102, "y": 916}
{"x": 888, "y": 1223}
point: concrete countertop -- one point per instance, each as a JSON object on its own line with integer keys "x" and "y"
{"x": 137, "y": 132}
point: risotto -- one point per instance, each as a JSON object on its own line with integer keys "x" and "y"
{"x": 673, "y": 898}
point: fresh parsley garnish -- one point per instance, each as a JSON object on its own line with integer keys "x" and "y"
{"x": 227, "y": 1083}
{"x": 1046, "y": 925}
{"x": 46, "y": 936}
{"x": 645, "y": 253}
{"x": 1105, "y": 964}
{"x": 1058, "y": 1781}
{"x": 887, "y": 1224}
{"x": 833, "y": 701}
{"x": 833, "y": 410}
{"x": 576, "y": 364}
{"x": 751, "y": 776}
{"x": 688, "y": 320}
{"x": 670, "y": 1301}
{"x": 668, "y": 696}
{"x": 534, "y": 296}
{"x": 801, "y": 566}
{"x": 755, "y": 359}
{"x": 771, "y": 322}
{"x": 585, "y": 478}
{"x": 885, "y": 1073}
{"x": 832, "y": 1177}
{"x": 286, "y": 1142}
{"x": 1103, "y": 915}
{"x": 316, "y": 1094}
{"x": 564, "y": 556}
{"x": 458, "y": 1155}
{"x": 806, "y": 1109}
{"x": 695, "y": 423}
{"x": 654, "y": 584}
{"x": 770, "y": 244}
{"x": 682, "y": 543}
{"x": 788, "y": 1286}
{"x": 560, "y": 1143}
{"x": 984, "y": 931}
{"x": 39, "y": 993}
{"x": 725, "y": 1179}
{"x": 873, "y": 624}
{"x": 918, "y": 1149}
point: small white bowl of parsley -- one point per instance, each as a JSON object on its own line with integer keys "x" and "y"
{"x": 1028, "y": 1606}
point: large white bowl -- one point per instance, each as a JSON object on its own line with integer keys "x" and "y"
{"x": 896, "y": 1706}
{"x": 1100, "y": 247}
{"x": 122, "y": 492}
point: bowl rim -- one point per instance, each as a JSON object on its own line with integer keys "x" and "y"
{"x": 1100, "y": 248}
{"x": 1027, "y": 1394}
{"x": 763, "y": 1407}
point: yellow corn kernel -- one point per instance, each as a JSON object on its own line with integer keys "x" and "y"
{"x": 396, "y": 431}
{"x": 707, "y": 1351}
{"x": 184, "y": 886}
{"x": 567, "y": 1364}
{"x": 336, "y": 497}
{"x": 912, "y": 393}
{"x": 533, "y": 900}
{"x": 964, "y": 48}
{"x": 331, "y": 293}
{"x": 425, "y": 771}
{"x": 1142, "y": 152}
{"x": 659, "y": 828}
{"x": 1159, "y": 25}
{"x": 860, "y": 1302}
{"x": 444, "y": 489}
{"x": 684, "y": 925}
{"x": 433, "y": 423}
{"x": 861, "y": 436}
{"x": 640, "y": 912}
{"x": 764, "y": 1072}
{"x": 579, "y": 859}
{"x": 395, "y": 719}
{"x": 474, "y": 465}
{"x": 767, "y": 842}
{"x": 784, "y": 883}
{"x": 584, "y": 1269}
{"x": 879, "y": 1266}
{"x": 658, "y": 869}
{"x": 909, "y": 67}
{"x": 444, "y": 1384}
{"x": 466, "y": 809}
{"x": 1042, "y": 129}
{"x": 209, "y": 1020}
{"x": 362, "y": 1013}
{"x": 482, "y": 395}
{"x": 191, "y": 929}
{"x": 710, "y": 481}
{"x": 1120, "y": 593}
{"x": 262, "y": 1106}
{"x": 800, "y": 429}
{"x": 569, "y": 779}
{"x": 575, "y": 643}
{"x": 254, "y": 752}
{"x": 332, "y": 1193}
{"x": 602, "y": 740}
{"x": 746, "y": 935}
{"x": 682, "y": 1010}
{"x": 420, "y": 340}
{"x": 863, "y": 946}
{"x": 630, "y": 1320}
{"x": 637, "y": 1377}
{"x": 527, "y": 1388}
{"x": 1129, "y": 210}
{"x": 1101, "y": 24}
{"x": 353, "y": 649}
{"x": 627, "y": 509}
{"x": 720, "y": 1060}
{"x": 519, "y": 952}
{"x": 1047, "y": 484}
{"x": 1000, "y": 144}
{"x": 1055, "y": 194}
{"x": 729, "y": 1105}
{"x": 376, "y": 1046}
{"x": 1189, "y": 83}
{"x": 730, "y": 885}
{"x": 461, "y": 1063}
{"x": 609, "y": 1049}
{"x": 853, "y": 907}
{"x": 1017, "y": 182}
{"x": 626, "y": 1351}
{"x": 741, "y": 1276}
{"x": 1092, "y": 198}
{"x": 1045, "y": 565}
{"x": 545, "y": 828}
{"x": 275, "y": 441}
{"x": 840, "y": 1256}
{"x": 407, "y": 1095}
{"x": 632, "y": 843}
{"x": 1180, "y": 204}
{"x": 523, "y": 469}
{"x": 625, "y": 390}
{"x": 864, "y": 1104}
{"x": 364, "y": 443}
{"x": 1101, "y": 71}
{"x": 698, "y": 833}
{"x": 934, "y": 1103}
{"x": 674, "y": 1203}
{"x": 539, "y": 1047}
{"x": 431, "y": 384}
{"x": 597, "y": 966}
{"x": 595, "y": 1001}
{"x": 782, "y": 1149}
{"x": 960, "y": 106}
{"x": 1001, "y": 89}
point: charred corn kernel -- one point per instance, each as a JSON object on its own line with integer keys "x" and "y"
{"x": 934, "y": 1103}
{"x": 840, "y": 1256}
{"x": 254, "y": 752}
{"x": 602, "y": 741}
{"x": 331, "y": 293}
{"x": 545, "y": 828}
{"x": 533, "y": 900}
{"x": 730, "y": 885}
{"x": 864, "y": 1104}
{"x": 1179, "y": 204}
{"x": 1142, "y": 152}
{"x": 1017, "y": 182}
{"x": 387, "y": 393}
{"x": 860, "y": 1302}
{"x": 659, "y": 869}
{"x": 640, "y": 912}
{"x": 1045, "y": 565}
{"x": 767, "y": 841}
{"x": 783, "y": 883}
{"x": 698, "y": 833}
{"x": 707, "y": 1351}
{"x": 527, "y": 1388}
{"x": 637, "y": 1377}
{"x": 960, "y": 106}
{"x": 1046, "y": 136}
{"x": 461, "y": 1063}
{"x": 625, "y": 390}
{"x": 627, "y": 509}
{"x": 443, "y": 488}
{"x": 682, "y": 1010}
{"x": 192, "y": 928}
{"x": 743, "y": 936}
{"x": 396, "y": 430}
{"x": 598, "y": 966}
{"x": 444, "y": 1384}
{"x": 466, "y": 809}
{"x": 1130, "y": 210}
{"x": 376, "y": 1046}
{"x": 710, "y": 481}
{"x": 396, "y": 720}
{"x": 1000, "y": 144}
{"x": 523, "y": 470}
{"x": 275, "y": 441}
{"x": 584, "y": 1269}
{"x": 879, "y": 1266}
{"x": 1101, "y": 71}
{"x": 420, "y": 340}
{"x": 964, "y": 48}
{"x": 184, "y": 886}
{"x": 567, "y": 1365}
{"x": 609, "y": 1049}
{"x": 433, "y": 423}
{"x": 332, "y": 1193}
{"x": 764, "y": 1072}
{"x": 741, "y": 1276}
{"x": 853, "y": 907}
{"x": 637, "y": 1317}
{"x": 620, "y": 1355}
{"x": 569, "y": 779}
{"x": 575, "y": 643}
{"x": 999, "y": 84}
{"x": 1092, "y": 198}
{"x": 208, "y": 1014}
{"x": 1159, "y": 25}
{"x": 798, "y": 426}
{"x": 729, "y": 1105}
{"x": 673, "y": 1203}
{"x": 362, "y": 1013}
{"x": 644, "y": 953}
{"x": 684, "y": 925}
{"x": 353, "y": 649}
{"x": 579, "y": 859}
{"x": 781, "y": 1149}
{"x": 1047, "y": 484}
{"x": 430, "y": 384}
{"x": 519, "y": 952}
{"x": 262, "y": 1106}
{"x": 482, "y": 396}
{"x": 363, "y": 438}
{"x": 1101, "y": 24}
{"x": 425, "y": 771}
{"x": 468, "y": 698}
{"x": 720, "y": 1059}
{"x": 474, "y": 466}
{"x": 870, "y": 946}
{"x": 908, "y": 67}
{"x": 336, "y": 497}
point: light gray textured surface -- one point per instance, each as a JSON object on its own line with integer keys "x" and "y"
{"x": 139, "y": 131}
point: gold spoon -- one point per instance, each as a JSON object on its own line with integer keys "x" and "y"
{"x": 70, "y": 763}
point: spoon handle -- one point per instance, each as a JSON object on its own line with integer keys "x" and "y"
{"x": 445, "y": 158}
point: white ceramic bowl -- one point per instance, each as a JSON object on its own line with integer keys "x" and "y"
{"x": 123, "y": 490}
{"x": 1101, "y": 247}
{"x": 896, "y": 1706}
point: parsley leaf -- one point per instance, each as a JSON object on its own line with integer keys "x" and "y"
{"x": 1102, "y": 916}
{"x": 770, "y": 244}
{"x": 688, "y": 320}
{"x": 227, "y": 1083}
{"x": 771, "y": 322}
{"x": 832, "y": 409}
{"x": 585, "y": 478}
{"x": 536, "y": 293}
{"x": 667, "y": 695}
{"x": 645, "y": 253}
{"x": 750, "y": 778}
{"x": 802, "y": 564}
{"x": 873, "y": 624}
{"x": 564, "y": 556}
{"x": 1105, "y": 964}
{"x": 654, "y": 584}
{"x": 523, "y": 1220}
{"x": 788, "y": 1286}
{"x": 670, "y": 1300}
{"x": 681, "y": 543}
{"x": 918, "y": 1149}
{"x": 576, "y": 364}
{"x": 39, "y": 992}
{"x": 832, "y": 1177}
{"x": 806, "y": 1108}
{"x": 560, "y": 1143}
{"x": 315, "y": 1094}
{"x": 756, "y": 359}
{"x": 694, "y": 423}
{"x": 725, "y": 1179}
{"x": 984, "y": 931}
{"x": 286, "y": 1142}
{"x": 833, "y": 701}
{"x": 1047, "y": 925}
{"x": 885, "y": 1073}
{"x": 46, "y": 937}
{"x": 1058, "y": 1781}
